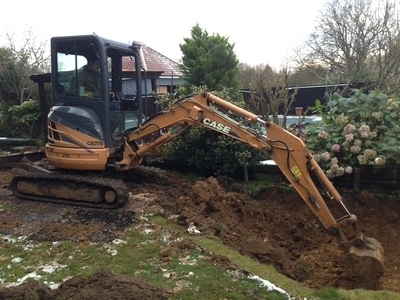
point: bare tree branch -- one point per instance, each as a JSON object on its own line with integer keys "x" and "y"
{"x": 357, "y": 40}
{"x": 23, "y": 60}
{"x": 269, "y": 91}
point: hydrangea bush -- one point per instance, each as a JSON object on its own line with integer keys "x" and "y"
{"x": 361, "y": 130}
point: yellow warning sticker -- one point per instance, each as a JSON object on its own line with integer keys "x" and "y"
{"x": 296, "y": 171}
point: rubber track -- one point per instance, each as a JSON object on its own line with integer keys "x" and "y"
{"x": 118, "y": 186}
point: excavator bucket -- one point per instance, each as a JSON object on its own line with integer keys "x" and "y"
{"x": 367, "y": 261}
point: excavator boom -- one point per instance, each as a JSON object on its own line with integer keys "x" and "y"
{"x": 288, "y": 151}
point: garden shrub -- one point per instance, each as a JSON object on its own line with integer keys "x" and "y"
{"x": 26, "y": 119}
{"x": 209, "y": 151}
{"x": 356, "y": 131}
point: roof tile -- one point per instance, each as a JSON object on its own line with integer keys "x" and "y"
{"x": 154, "y": 62}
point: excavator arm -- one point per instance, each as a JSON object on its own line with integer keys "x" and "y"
{"x": 288, "y": 151}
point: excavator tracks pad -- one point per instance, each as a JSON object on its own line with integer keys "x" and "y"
{"x": 88, "y": 191}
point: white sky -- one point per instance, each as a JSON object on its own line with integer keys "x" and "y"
{"x": 263, "y": 31}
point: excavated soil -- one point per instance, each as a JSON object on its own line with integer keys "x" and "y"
{"x": 275, "y": 228}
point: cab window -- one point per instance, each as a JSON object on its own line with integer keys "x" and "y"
{"x": 78, "y": 69}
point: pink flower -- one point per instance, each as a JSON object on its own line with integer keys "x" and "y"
{"x": 334, "y": 168}
{"x": 346, "y": 145}
{"x": 325, "y": 156}
{"x": 322, "y": 135}
{"x": 349, "y": 128}
{"x": 335, "y": 148}
{"x": 364, "y": 128}
{"x": 349, "y": 170}
{"x": 355, "y": 149}
{"x": 349, "y": 137}
{"x": 364, "y": 134}
{"x": 317, "y": 157}
{"x": 380, "y": 161}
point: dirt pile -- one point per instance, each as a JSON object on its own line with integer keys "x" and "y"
{"x": 276, "y": 228}
{"x": 103, "y": 285}
{"x": 279, "y": 229}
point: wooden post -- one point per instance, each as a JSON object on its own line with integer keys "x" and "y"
{"x": 357, "y": 179}
{"x": 245, "y": 174}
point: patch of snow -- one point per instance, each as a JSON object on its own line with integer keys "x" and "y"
{"x": 270, "y": 286}
{"x": 9, "y": 239}
{"x": 148, "y": 242}
{"x": 189, "y": 274}
{"x": 50, "y": 268}
{"x": 166, "y": 238}
{"x": 181, "y": 284}
{"x": 169, "y": 275}
{"x": 21, "y": 280}
{"x": 110, "y": 249}
{"x": 16, "y": 260}
{"x": 28, "y": 247}
{"x": 188, "y": 261}
{"x": 173, "y": 217}
{"x": 192, "y": 230}
{"x": 113, "y": 252}
{"x": 148, "y": 231}
{"x": 52, "y": 285}
{"x": 118, "y": 242}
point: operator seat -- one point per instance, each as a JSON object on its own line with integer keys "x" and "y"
{"x": 120, "y": 96}
{"x": 72, "y": 85}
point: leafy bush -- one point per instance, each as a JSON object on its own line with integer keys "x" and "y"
{"x": 212, "y": 152}
{"x": 6, "y": 127}
{"x": 209, "y": 151}
{"x": 360, "y": 130}
{"x": 26, "y": 118}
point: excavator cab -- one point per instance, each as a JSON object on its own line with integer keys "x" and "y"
{"x": 96, "y": 98}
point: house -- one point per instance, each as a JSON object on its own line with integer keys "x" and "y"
{"x": 162, "y": 75}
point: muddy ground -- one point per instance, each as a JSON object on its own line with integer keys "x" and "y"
{"x": 275, "y": 228}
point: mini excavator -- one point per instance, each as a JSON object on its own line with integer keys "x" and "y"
{"x": 92, "y": 132}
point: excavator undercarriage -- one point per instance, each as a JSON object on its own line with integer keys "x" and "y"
{"x": 61, "y": 188}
